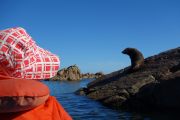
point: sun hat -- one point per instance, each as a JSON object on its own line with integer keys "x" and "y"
{"x": 20, "y": 57}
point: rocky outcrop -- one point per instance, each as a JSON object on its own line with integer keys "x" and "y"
{"x": 155, "y": 85}
{"x": 91, "y": 75}
{"x": 73, "y": 73}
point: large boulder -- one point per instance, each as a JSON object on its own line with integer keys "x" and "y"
{"x": 70, "y": 73}
{"x": 155, "y": 85}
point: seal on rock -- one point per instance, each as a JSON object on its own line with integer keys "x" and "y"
{"x": 136, "y": 57}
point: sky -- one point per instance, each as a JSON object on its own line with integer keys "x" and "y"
{"x": 92, "y": 33}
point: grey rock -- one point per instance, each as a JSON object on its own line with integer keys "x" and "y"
{"x": 155, "y": 85}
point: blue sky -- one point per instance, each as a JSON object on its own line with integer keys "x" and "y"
{"x": 92, "y": 33}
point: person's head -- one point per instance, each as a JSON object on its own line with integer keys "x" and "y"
{"x": 20, "y": 57}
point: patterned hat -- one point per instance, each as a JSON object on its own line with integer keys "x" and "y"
{"x": 20, "y": 57}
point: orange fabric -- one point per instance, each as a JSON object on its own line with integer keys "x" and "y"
{"x": 17, "y": 103}
{"x": 50, "y": 110}
{"x": 5, "y": 77}
{"x": 20, "y": 87}
{"x": 18, "y": 95}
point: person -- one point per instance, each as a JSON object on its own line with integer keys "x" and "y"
{"x": 21, "y": 58}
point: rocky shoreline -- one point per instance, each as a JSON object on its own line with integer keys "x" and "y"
{"x": 73, "y": 73}
{"x": 155, "y": 86}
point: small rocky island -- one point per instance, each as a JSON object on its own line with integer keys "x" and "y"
{"x": 156, "y": 85}
{"x": 73, "y": 73}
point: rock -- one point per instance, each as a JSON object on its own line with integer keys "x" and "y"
{"x": 81, "y": 91}
{"x": 155, "y": 85}
{"x": 73, "y": 73}
{"x": 99, "y": 74}
{"x": 167, "y": 94}
{"x": 88, "y": 75}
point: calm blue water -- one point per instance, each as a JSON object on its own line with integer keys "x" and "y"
{"x": 82, "y": 108}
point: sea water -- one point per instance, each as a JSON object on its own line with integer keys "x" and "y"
{"x": 83, "y": 108}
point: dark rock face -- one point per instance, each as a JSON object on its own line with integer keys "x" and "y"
{"x": 155, "y": 85}
{"x": 73, "y": 73}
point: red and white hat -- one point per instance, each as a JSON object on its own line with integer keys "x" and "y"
{"x": 20, "y": 57}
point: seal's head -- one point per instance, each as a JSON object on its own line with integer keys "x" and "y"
{"x": 125, "y": 51}
{"x": 128, "y": 51}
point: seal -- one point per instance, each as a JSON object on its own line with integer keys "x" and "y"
{"x": 137, "y": 59}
